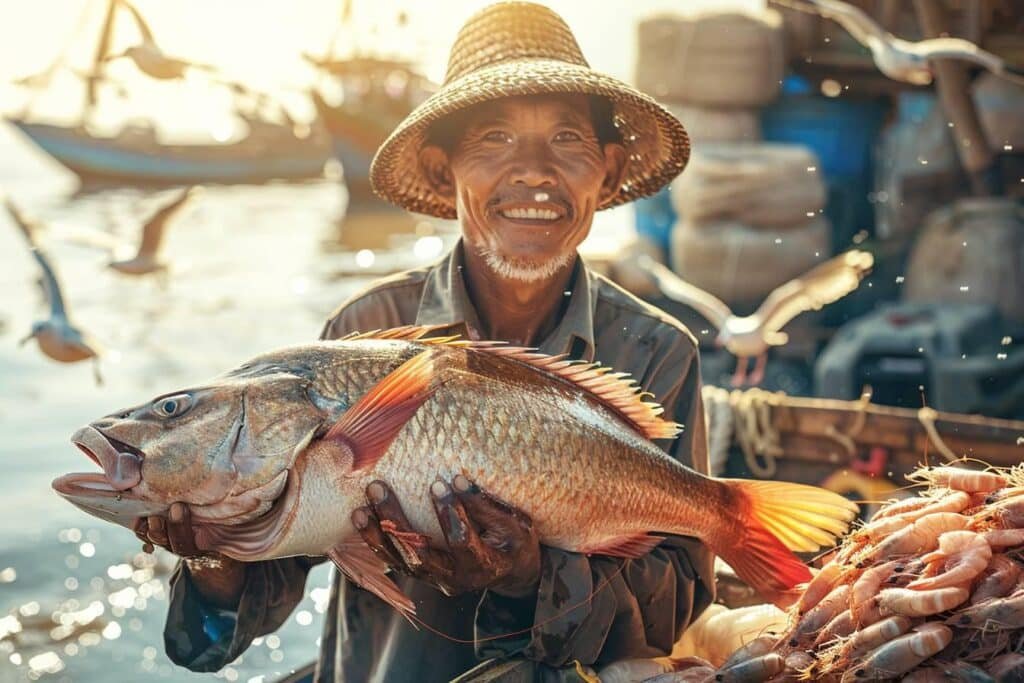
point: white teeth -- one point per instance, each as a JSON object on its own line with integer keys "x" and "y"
{"x": 541, "y": 197}
{"x": 531, "y": 214}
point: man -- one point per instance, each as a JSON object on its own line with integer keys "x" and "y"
{"x": 521, "y": 145}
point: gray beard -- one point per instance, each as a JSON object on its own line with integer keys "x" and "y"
{"x": 523, "y": 271}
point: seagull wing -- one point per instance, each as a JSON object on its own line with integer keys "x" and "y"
{"x": 823, "y": 284}
{"x": 678, "y": 289}
{"x": 153, "y": 230}
{"x": 29, "y": 228}
{"x": 50, "y": 283}
{"x": 856, "y": 22}
{"x": 958, "y": 48}
{"x": 144, "y": 30}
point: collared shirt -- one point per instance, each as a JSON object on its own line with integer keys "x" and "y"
{"x": 635, "y": 610}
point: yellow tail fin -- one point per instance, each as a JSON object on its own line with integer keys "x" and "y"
{"x": 781, "y": 517}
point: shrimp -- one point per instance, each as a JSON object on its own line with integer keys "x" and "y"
{"x": 960, "y": 479}
{"x": 819, "y": 586}
{"x": 839, "y": 626}
{"x": 1006, "y": 514}
{"x": 874, "y": 635}
{"x": 755, "y": 648}
{"x": 956, "y": 671}
{"x": 753, "y": 670}
{"x": 1004, "y": 494}
{"x": 902, "y": 506}
{"x": 998, "y": 579}
{"x": 921, "y": 536}
{"x": 1004, "y": 538}
{"x": 866, "y": 587}
{"x": 902, "y": 654}
{"x": 1007, "y": 668}
{"x": 914, "y": 603}
{"x": 961, "y": 556}
{"x": 994, "y": 614}
{"x": 819, "y": 615}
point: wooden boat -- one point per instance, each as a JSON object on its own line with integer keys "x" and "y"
{"x": 136, "y": 156}
{"x": 270, "y": 150}
{"x": 377, "y": 95}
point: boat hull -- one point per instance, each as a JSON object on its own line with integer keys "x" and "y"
{"x": 114, "y": 159}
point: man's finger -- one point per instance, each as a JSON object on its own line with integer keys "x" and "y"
{"x": 502, "y": 526}
{"x": 156, "y": 532}
{"x": 180, "y": 534}
{"x": 368, "y": 527}
{"x": 468, "y": 551}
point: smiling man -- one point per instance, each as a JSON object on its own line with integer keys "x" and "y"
{"x": 522, "y": 145}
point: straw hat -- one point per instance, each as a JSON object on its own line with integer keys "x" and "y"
{"x": 521, "y": 48}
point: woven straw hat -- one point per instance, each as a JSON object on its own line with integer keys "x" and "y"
{"x": 521, "y": 48}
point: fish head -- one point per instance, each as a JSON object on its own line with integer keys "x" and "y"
{"x": 223, "y": 448}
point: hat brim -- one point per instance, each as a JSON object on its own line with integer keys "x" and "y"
{"x": 657, "y": 146}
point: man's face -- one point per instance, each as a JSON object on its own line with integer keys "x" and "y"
{"x": 526, "y": 175}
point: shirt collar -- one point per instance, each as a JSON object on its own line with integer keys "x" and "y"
{"x": 445, "y": 301}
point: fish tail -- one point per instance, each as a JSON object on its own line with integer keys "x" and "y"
{"x": 777, "y": 518}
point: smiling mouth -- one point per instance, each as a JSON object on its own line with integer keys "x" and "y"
{"x": 531, "y": 214}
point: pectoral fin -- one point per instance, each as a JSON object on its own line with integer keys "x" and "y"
{"x": 369, "y": 426}
{"x": 355, "y": 559}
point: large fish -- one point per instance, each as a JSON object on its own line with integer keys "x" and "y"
{"x": 273, "y": 457}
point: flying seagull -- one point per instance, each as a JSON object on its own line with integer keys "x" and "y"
{"x": 903, "y": 60}
{"x": 147, "y": 259}
{"x": 57, "y": 337}
{"x": 148, "y": 56}
{"x": 752, "y": 335}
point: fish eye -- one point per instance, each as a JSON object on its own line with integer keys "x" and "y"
{"x": 172, "y": 406}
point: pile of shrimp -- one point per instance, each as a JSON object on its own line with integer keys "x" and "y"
{"x": 930, "y": 589}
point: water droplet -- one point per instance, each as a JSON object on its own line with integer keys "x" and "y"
{"x": 276, "y": 655}
{"x": 965, "y": 288}
{"x": 304, "y": 617}
{"x": 273, "y": 642}
{"x": 900, "y": 279}
{"x": 365, "y": 258}
{"x": 1007, "y": 148}
{"x": 1005, "y": 341}
{"x": 778, "y": 240}
{"x": 71, "y": 583}
{"x": 1000, "y": 356}
{"x": 8, "y": 575}
{"x": 87, "y": 549}
{"x": 812, "y": 169}
{"x": 112, "y": 631}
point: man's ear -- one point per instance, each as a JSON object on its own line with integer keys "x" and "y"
{"x": 614, "y": 169}
{"x": 437, "y": 170}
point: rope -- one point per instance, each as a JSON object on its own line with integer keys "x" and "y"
{"x": 926, "y": 416}
{"x": 745, "y": 416}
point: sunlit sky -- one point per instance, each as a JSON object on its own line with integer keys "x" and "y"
{"x": 259, "y": 42}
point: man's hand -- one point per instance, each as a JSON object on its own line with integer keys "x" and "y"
{"x": 489, "y": 544}
{"x": 218, "y": 579}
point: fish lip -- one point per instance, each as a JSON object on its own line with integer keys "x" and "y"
{"x": 121, "y": 463}
{"x": 91, "y": 483}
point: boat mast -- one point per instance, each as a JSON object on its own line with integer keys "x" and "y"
{"x": 92, "y": 80}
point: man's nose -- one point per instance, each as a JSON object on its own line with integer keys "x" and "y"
{"x": 532, "y": 165}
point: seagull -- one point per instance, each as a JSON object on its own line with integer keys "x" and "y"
{"x": 148, "y": 56}
{"x": 147, "y": 260}
{"x": 152, "y": 61}
{"x": 57, "y": 337}
{"x": 752, "y": 335}
{"x": 903, "y": 60}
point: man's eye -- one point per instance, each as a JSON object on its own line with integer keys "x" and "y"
{"x": 497, "y": 136}
{"x": 568, "y": 136}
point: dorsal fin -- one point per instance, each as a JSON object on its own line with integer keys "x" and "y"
{"x": 615, "y": 389}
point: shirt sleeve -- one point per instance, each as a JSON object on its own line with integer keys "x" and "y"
{"x": 202, "y": 637}
{"x": 623, "y": 608}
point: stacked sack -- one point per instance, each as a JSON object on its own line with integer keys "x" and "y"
{"x": 749, "y": 213}
{"x": 751, "y": 219}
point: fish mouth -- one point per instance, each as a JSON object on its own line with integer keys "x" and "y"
{"x": 121, "y": 463}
